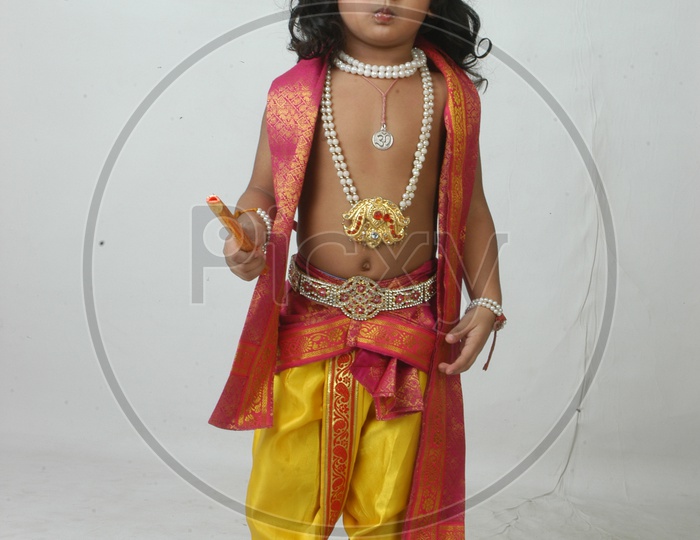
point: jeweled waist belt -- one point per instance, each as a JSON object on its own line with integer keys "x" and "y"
{"x": 359, "y": 297}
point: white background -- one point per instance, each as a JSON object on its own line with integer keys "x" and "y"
{"x": 74, "y": 72}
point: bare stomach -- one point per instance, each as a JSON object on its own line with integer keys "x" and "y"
{"x": 324, "y": 244}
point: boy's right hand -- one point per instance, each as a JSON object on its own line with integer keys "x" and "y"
{"x": 247, "y": 265}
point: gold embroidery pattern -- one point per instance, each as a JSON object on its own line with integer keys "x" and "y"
{"x": 443, "y": 532}
{"x": 291, "y": 117}
{"x": 306, "y": 343}
{"x": 339, "y": 431}
{"x": 436, "y": 506}
{"x": 302, "y": 344}
{"x": 405, "y": 341}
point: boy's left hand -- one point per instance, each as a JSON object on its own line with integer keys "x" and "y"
{"x": 473, "y": 331}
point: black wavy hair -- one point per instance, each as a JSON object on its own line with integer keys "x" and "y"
{"x": 453, "y": 26}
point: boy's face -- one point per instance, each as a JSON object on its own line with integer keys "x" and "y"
{"x": 383, "y": 24}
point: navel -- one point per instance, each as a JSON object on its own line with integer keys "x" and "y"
{"x": 366, "y": 265}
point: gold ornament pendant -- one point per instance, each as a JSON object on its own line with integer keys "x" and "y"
{"x": 373, "y": 221}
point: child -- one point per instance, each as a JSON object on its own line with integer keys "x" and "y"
{"x": 375, "y": 144}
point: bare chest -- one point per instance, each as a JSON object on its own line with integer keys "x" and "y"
{"x": 360, "y": 112}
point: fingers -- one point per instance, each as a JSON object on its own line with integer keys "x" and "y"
{"x": 460, "y": 331}
{"x": 473, "y": 331}
{"x": 247, "y": 265}
{"x": 471, "y": 349}
{"x": 231, "y": 246}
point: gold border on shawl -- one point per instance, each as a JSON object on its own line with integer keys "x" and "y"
{"x": 428, "y": 517}
{"x": 432, "y": 479}
{"x": 293, "y": 107}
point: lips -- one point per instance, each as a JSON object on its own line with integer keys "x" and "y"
{"x": 384, "y": 15}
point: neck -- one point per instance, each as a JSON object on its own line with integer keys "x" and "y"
{"x": 381, "y": 56}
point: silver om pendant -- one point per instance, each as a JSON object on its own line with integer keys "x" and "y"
{"x": 382, "y": 139}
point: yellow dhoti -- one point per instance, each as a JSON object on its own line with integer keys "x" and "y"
{"x": 348, "y": 396}
{"x": 328, "y": 454}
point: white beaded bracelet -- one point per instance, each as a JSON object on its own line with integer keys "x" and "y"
{"x": 487, "y": 303}
{"x": 498, "y": 324}
{"x": 268, "y": 227}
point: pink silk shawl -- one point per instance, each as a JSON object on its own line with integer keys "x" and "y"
{"x": 437, "y": 502}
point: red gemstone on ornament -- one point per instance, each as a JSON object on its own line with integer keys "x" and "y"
{"x": 377, "y": 214}
{"x": 388, "y": 219}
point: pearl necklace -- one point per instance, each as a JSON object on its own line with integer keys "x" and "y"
{"x": 373, "y": 221}
{"x": 347, "y": 63}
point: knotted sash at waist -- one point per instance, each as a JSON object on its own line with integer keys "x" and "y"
{"x": 391, "y": 347}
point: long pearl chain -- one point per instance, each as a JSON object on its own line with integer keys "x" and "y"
{"x": 347, "y": 63}
{"x": 422, "y": 148}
